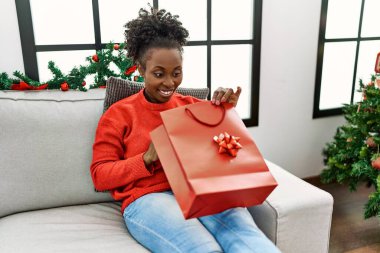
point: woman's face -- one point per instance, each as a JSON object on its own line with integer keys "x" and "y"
{"x": 162, "y": 74}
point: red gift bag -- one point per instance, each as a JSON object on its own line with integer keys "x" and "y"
{"x": 205, "y": 181}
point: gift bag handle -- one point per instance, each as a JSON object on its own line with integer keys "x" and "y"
{"x": 188, "y": 111}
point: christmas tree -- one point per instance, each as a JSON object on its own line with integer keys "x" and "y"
{"x": 98, "y": 65}
{"x": 353, "y": 156}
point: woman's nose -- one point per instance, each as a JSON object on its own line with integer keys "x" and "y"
{"x": 169, "y": 81}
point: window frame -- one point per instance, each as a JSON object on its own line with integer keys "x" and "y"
{"x": 30, "y": 49}
{"x": 317, "y": 113}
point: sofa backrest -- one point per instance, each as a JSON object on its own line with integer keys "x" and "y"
{"x": 46, "y": 142}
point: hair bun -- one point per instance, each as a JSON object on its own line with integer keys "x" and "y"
{"x": 157, "y": 28}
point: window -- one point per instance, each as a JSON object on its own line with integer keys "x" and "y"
{"x": 217, "y": 53}
{"x": 349, "y": 41}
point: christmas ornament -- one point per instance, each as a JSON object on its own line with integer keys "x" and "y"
{"x": 377, "y": 81}
{"x": 116, "y": 46}
{"x": 377, "y": 64}
{"x": 376, "y": 163}
{"x": 84, "y": 83}
{"x": 370, "y": 142}
{"x": 95, "y": 58}
{"x": 64, "y": 86}
{"x": 228, "y": 143}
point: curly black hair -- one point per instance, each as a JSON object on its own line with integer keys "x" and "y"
{"x": 154, "y": 29}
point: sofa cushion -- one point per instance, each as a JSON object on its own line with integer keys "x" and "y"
{"x": 85, "y": 228}
{"x": 46, "y": 142}
{"x": 118, "y": 88}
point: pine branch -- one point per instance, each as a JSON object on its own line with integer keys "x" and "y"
{"x": 26, "y": 79}
{"x": 57, "y": 73}
{"x": 5, "y": 81}
{"x": 372, "y": 207}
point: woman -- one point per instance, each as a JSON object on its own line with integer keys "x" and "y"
{"x": 125, "y": 161}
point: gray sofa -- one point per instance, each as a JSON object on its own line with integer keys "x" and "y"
{"x": 48, "y": 202}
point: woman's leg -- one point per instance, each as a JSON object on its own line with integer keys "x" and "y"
{"x": 235, "y": 231}
{"x": 156, "y": 221}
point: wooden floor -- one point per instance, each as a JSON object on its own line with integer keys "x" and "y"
{"x": 350, "y": 232}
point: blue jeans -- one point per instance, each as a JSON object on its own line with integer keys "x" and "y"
{"x": 156, "y": 221}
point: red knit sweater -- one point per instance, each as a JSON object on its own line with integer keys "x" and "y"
{"x": 122, "y": 137}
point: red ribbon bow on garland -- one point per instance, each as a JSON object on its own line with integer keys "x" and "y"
{"x": 228, "y": 143}
{"x": 129, "y": 71}
{"x": 24, "y": 86}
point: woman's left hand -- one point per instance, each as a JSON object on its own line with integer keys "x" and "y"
{"x": 226, "y": 95}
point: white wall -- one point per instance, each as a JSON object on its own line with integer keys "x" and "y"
{"x": 287, "y": 134}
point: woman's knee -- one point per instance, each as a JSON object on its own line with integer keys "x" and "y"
{"x": 194, "y": 238}
{"x": 157, "y": 222}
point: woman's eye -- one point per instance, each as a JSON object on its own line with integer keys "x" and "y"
{"x": 157, "y": 74}
{"x": 176, "y": 74}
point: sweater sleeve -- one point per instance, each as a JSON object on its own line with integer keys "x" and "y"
{"x": 109, "y": 169}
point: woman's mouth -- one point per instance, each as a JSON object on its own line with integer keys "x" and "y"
{"x": 166, "y": 93}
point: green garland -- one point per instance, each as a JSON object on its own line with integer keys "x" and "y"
{"x": 98, "y": 64}
{"x": 353, "y": 156}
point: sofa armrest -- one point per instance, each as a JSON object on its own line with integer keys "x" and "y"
{"x": 296, "y": 216}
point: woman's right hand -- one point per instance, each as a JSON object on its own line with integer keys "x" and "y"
{"x": 150, "y": 155}
{"x": 226, "y": 95}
